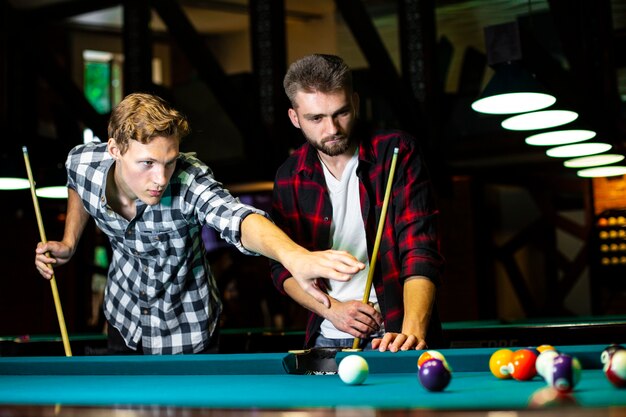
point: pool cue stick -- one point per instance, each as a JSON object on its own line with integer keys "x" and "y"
{"x": 42, "y": 233}
{"x": 379, "y": 235}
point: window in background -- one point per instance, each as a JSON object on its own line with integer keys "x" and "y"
{"x": 102, "y": 79}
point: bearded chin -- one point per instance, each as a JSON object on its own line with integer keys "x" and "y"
{"x": 332, "y": 150}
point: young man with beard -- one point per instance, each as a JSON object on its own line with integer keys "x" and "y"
{"x": 329, "y": 194}
{"x": 152, "y": 202}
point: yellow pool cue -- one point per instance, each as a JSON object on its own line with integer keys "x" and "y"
{"x": 379, "y": 235}
{"x": 42, "y": 233}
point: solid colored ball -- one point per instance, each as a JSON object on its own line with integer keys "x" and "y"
{"x": 434, "y": 375}
{"x": 431, "y": 354}
{"x": 566, "y": 371}
{"x": 522, "y": 365}
{"x": 616, "y": 370}
{"x": 499, "y": 363}
{"x": 607, "y": 353}
{"x": 353, "y": 370}
{"x": 543, "y": 364}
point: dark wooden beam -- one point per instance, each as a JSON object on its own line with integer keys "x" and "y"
{"x": 389, "y": 84}
{"x": 516, "y": 278}
{"x": 137, "y": 46}
{"x": 22, "y": 86}
{"x": 619, "y": 47}
{"x": 472, "y": 72}
{"x": 57, "y": 76}
{"x": 416, "y": 21}
{"x": 269, "y": 56}
{"x": 5, "y": 33}
{"x": 19, "y": 95}
{"x": 573, "y": 272}
{"x": 234, "y": 102}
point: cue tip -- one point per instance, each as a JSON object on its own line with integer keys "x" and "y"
{"x": 24, "y": 149}
{"x": 395, "y": 150}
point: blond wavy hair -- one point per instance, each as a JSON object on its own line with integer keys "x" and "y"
{"x": 141, "y": 117}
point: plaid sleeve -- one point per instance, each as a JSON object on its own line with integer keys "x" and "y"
{"x": 71, "y": 166}
{"x": 213, "y": 205}
{"x": 416, "y": 216}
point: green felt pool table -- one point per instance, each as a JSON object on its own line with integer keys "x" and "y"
{"x": 259, "y": 384}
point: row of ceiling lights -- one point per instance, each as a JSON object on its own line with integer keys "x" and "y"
{"x": 513, "y": 90}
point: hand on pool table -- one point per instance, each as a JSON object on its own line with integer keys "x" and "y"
{"x": 418, "y": 295}
{"x": 58, "y": 254}
{"x": 395, "y": 342}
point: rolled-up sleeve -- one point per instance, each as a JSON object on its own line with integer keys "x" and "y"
{"x": 216, "y": 207}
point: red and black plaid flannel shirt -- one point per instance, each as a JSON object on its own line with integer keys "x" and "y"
{"x": 409, "y": 245}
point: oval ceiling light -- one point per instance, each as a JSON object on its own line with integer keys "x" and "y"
{"x": 512, "y": 89}
{"x": 13, "y": 183}
{"x": 612, "y": 171}
{"x": 560, "y": 137}
{"x": 594, "y": 160}
{"x": 578, "y": 149}
{"x": 539, "y": 120}
{"x": 513, "y": 103}
{"x": 52, "y": 192}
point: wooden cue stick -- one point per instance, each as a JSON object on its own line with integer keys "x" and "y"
{"x": 42, "y": 233}
{"x": 379, "y": 235}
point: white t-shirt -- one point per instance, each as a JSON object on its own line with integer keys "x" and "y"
{"x": 347, "y": 233}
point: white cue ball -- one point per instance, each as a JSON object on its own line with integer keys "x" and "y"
{"x": 353, "y": 370}
{"x": 544, "y": 362}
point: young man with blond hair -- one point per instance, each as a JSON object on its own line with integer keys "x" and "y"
{"x": 152, "y": 202}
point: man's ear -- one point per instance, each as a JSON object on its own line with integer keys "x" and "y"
{"x": 113, "y": 149}
{"x": 293, "y": 116}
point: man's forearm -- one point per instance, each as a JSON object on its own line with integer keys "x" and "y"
{"x": 260, "y": 235}
{"x": 419, "y": 296}
{"x": 301, "y": 297}
{"x": 75, "y": 221}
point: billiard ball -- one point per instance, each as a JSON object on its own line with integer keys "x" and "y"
{"x": 565, "y": 373}
{"x": 431, "y": 354}
{"x": 543, "y": 364}
{"x": 543, "y": 348}
{"x": 607, "y": 353}
{"x": 22, "y": 339}
{"x": 522, "y": 365}
{"x": 616, "y": 370}
{"x": 353, "y": 370}
{"x": 434, "y": 375}
{"x": 499, "y": 363}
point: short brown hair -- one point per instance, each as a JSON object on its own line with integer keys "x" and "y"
{"x": 317, "y": 72}
{"x": 141, "y": 117}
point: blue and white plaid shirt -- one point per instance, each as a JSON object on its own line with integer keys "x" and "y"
{"x": 160, "y": 290}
